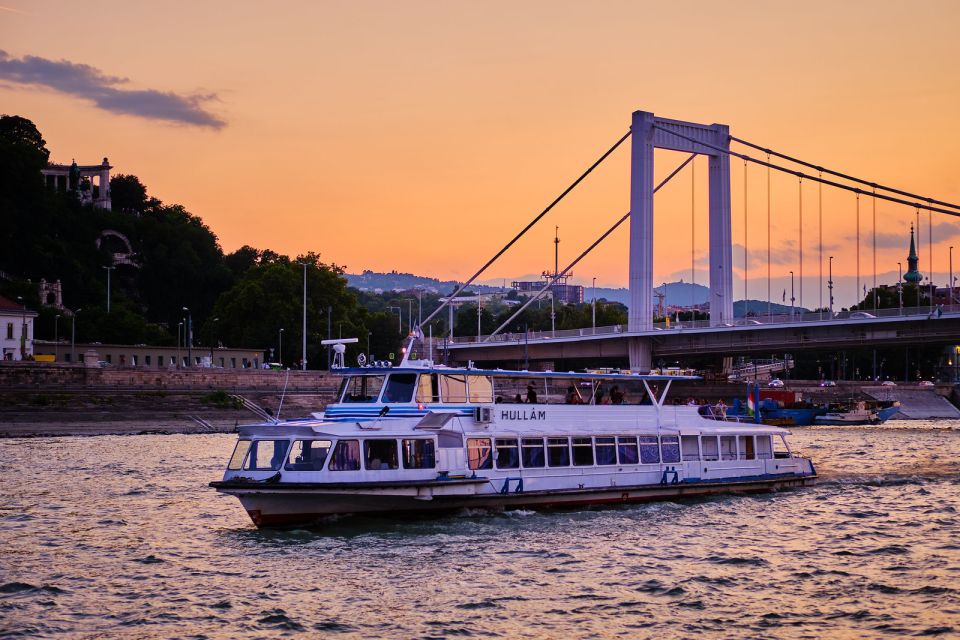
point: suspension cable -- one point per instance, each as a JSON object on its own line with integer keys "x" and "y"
{"x": 769, "y": 298}
{"x": 693, "y": 234}
{"x": 527, "y": 228}
{"x": 843, "y": 175}
{"x": 858, "y": 245}
{"x": 874, "y": 251}
{"x": 820, "y": 233}
{"x": 746, "y": 263}
{"x": 800, "y": 216}
{"x": 831, "y": 183}
{"x": 603, "y": 237}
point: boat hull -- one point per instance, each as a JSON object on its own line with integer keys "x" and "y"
{"x": 282, "y": 505}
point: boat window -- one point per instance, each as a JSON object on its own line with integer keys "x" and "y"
{"x": 606, "y": 450}
{"x": 627, "y": 450}
{"x": 478, "y": 453}
{"x": 379, "y": 455}
{"x": 728, "y": 447}
{"x": 429, "y": 388}
{"x": 346, "y": 456}
{"x": 670, "y": 448}
{"x": 649, "y": 451}
{"x": 764, "y": 448}
{"x": 361, "y": 389}
{"x": 780, "y": 448}
{"x": 508, "y": 456}
{"x": 558, "y": 452}
{"x": 418, "y": 454}
{"x": 689, "y": 447}
{"x": 266, "y": 455}
{"x": 307, "y": 455}
{"x": 239, "y": 453}
{"x": 533, "y": 453}
{"x": 583, "y": 452}
{"x": 400, "y": 387}
{"x": 747, "y": 451}
{"x": 453, "y": 388}
{"x": 711, "y": 451}
{"x": 481, "y": 388}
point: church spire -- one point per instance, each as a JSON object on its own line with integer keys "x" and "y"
{"x": 912, "y": 274}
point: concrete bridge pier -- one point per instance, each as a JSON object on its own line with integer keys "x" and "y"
{"x": 640, "y": 351}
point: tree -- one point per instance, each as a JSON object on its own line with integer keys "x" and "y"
{"x": 128, "y": 194}
{"x": 15, "y": 130}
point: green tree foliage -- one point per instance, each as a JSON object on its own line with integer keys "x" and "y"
{"x": 269, "y": 296}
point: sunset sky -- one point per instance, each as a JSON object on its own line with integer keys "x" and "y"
{"x": 420, "y": 136}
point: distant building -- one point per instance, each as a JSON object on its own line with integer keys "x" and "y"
{"x": 148, "y": 357}
{"x": 16, "y": 330}
{"x": 561, "y": 291}
{"x": 91, "y": 182}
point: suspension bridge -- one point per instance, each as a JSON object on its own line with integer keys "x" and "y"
{"x": 640, "y": 340}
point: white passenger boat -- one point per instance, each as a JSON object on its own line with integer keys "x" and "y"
{"x": 426, "y": 438}
{"x": 859, "y": 415}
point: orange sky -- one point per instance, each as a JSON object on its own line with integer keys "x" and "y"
{"x": 419, "y": 136}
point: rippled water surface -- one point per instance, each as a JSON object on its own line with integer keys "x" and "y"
{"x": 121, "y": 537}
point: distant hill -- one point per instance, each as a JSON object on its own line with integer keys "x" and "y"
{"x": 678, "y": 293}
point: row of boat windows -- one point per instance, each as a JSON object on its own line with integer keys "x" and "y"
{"x": 501, "y": 453}
{"x": 432, "y": 388}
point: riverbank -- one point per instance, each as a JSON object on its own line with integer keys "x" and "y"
{"x": 27, "y": 414}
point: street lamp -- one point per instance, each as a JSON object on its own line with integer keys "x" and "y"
{"x": 56, "y": 338}
{"x": 900, "y": 286}
{"x": 280, "y": 348}
{"x": 303, "y": 357}
{"x": 830, "y": 286}
{"x": 791, "y": 297}
{"x": 399, "y": 311}
{"x": 179, "y": 342}
{"x": 212, "y": 340}
{"x": 188, "y": 337}
{"x": 594, "y": 311}
{"x": 950, "y": 299}
{"x": 23, "y": 328}
{"x": 73, "y": 335}
{"x": 109, "y": 269}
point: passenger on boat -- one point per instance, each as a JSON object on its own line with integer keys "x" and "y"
{"x": 721, "y": 409}
{"x": 517, "y": 399}
{"x": 616, "y": 396}
{"x": 531, "y": 395}
{"x": 600, "y": 398}
{"x": 572, "y": 396}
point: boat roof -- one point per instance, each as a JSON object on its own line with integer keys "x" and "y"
{"x": 508, "y": 373}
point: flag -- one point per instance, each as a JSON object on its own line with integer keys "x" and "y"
{"x": 751, "y": 405}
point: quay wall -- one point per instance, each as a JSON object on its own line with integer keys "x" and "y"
{"x": 17, "y": 375}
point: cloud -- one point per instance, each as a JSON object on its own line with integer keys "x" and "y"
{"x": 107, "y": 93}
{"x": 941, "y": 231}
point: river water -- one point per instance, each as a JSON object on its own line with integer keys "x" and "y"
{"x": 121, "y": 537}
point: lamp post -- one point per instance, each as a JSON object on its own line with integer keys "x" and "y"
{"x": 791, "y": 297}
{"x": 213, "y": 339}
{"x": 179, "y": 331}
{"x": 73, "y": 335}
{"x": 830, "y": 286}
{"x": 303, "y": 356}
{"x": 950, "y": 299}
{"x": 109, "y": 269}
{"x": 56, "y": 338}
{"x": 188, "y": 337}
{"x": 399, "y": 311}
{"x": 410, "y": 313}
{"x": 594, "y": 310}
{"x": 419, "y": 306}
{"x": 280, "y": 348}
{"x": 900, "y": 286}
{"x": 23, "y": 327}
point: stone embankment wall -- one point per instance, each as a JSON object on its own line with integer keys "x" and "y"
{"x": 16, "y": 375}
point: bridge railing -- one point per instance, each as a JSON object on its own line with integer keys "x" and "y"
{"x": 780, "y": 319}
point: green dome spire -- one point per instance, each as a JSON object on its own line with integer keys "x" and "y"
{"x": 912, "y": 274}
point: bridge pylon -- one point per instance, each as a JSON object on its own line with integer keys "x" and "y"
{"x": 650, "y": 132}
